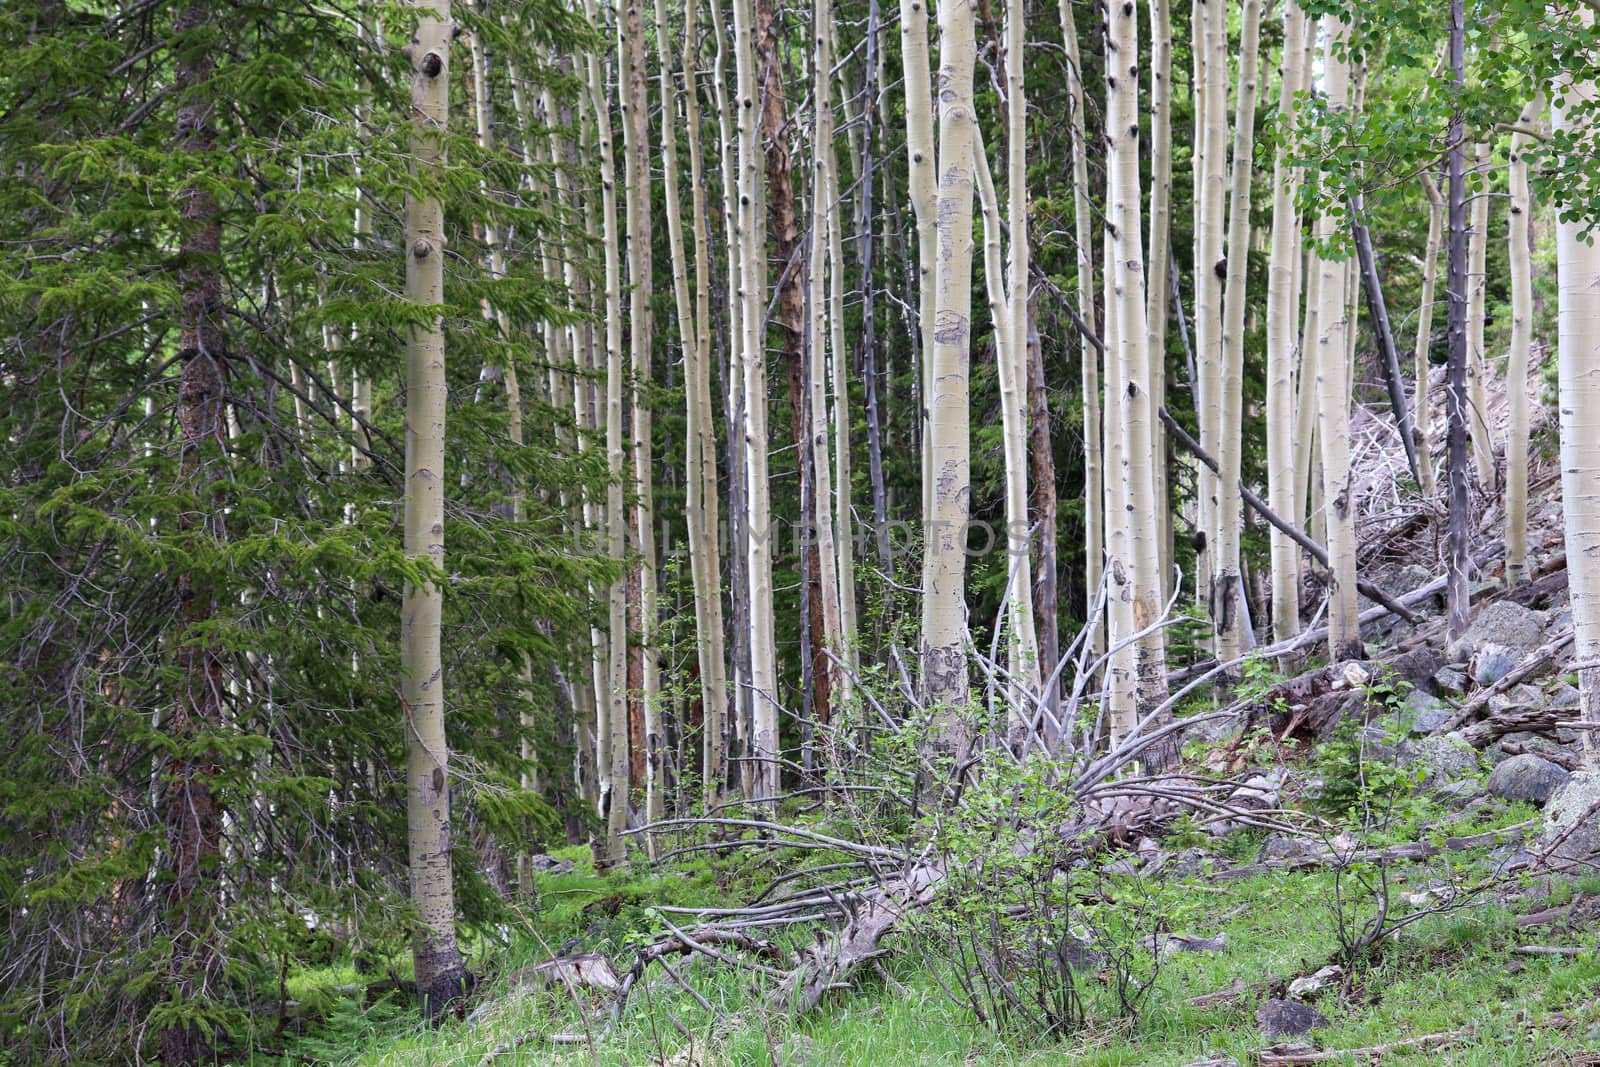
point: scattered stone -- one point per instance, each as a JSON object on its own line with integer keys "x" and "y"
{"x": 1190, "y": 943}
{"x": 1280, "y": 848}
{"x": 1288, "y": 1018}
{"x": 549, "y": 865}
{"x": 1507, "y": 623}
{"x": 1449, "y": 681}
{"x": 1312, "y": 985}
{"x": 1572, "y": 815}
{"x": 1492, "y": 662}
{"x": 1428, "y": 712}
{"x": 1214, "y": 730}
{"x": 1463, "y": 790}
{"x": 1518, "y": 697}
{"x": 1442, "y": 757}
{"x": 1527, "y": 777}
{"x": 1564, "y": 697}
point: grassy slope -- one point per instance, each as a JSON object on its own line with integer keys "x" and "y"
{"x": 1446, "y": 973}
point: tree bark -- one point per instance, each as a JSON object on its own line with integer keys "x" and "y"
{"x": 1520, "y": 257}
{"x": 1477, "y": 298}
{"x": 1420, "y": 417}
{"x": 1457, "y": 560}
{"x": 440, "y": 974}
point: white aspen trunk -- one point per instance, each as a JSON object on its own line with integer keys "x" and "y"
{"x": 1578, "y": 348}
{"x": 1283, "y": 300}
{"x": 1209, "y": 267}
{"x": 439, "y": 972}
{"x": 844, "y": 523}
{"x": 819, "y": 318}
{"x": 1229, "y": 620}
{"x": 1305, "y": 419}
{"x": 700, "y": 480}
{"x": 944, "y": 622}
{"x": 1420, "y": 417}
{"x": 1137, "y": 417}
{"x": 751, "y": 235}
{"x": 917, "y": 86}
{"x": 1517, "y": 226}
{"x": 1158, "y": 260}
{"x": 1083, "y": 229}
{"x": 360, "y": 384}
{"x": 611, "y": 734}
{"x": 1477, "y": 293}
{"x": 641, "y": 275}
{"x": 1334, "y": 326}
{"x": 1121, "y": 684}
{"x": 1012, "y": 361}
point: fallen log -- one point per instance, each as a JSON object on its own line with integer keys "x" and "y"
{"x": 1514, "y": 720}
{"x": 1287, "y": 1055}
{"x": 1531, "y": 664}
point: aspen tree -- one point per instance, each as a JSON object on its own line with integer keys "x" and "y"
{"x": 1517, "y": 226}
{"x": 843, "y": 532}
{"x": 763, "y": 681}
{"x": 1420, "y": 363}
{"x": 1094, "y": 466}
{"x": 820, "y": 318}
{"x": 440, "y": 974}
{"x": 636, "y": 156}
{"x": 944, "y": 657}
{"x": 1477, "y": 297}
{"x": 1458, "y": 549}
{"x": 1334, "y": 325}
{"x": 1137, "y": 416}
{"x": 1226, "y": 590}
{"x": 700, "y": 479}
{"x": 1306, "y": 487}
{"x": 1211, "y": 184}
{"x": 1121, "y": 681}
{"x": 1159, "y": 259}
{"x": 611, "y": 733}
{"x": 1578, "y": 368}
{"x": 918, "y": 90}
{"x": 1283, "y": 300}
{"x": 1012, "y": 361}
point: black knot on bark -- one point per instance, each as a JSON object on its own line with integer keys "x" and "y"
{"x": 432, "y": 65}
{"x": 1221, "y": 269}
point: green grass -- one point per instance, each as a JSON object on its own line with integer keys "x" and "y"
{"x": 1445, "y": 973}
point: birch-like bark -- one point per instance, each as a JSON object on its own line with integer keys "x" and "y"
{"x": 1333, "y": 396}
{"x": 917, "y": 86}
{"x": 1477, "y": 297}
{"x": 1578, "y": 314}
{"x": 1158, "y": 261}
{"x": 1228, "y": 621}
{"x": 1283, "y": 300}
{"x": 1211, "y": 185}
{"x": 752, "y": 296}
{"x": 1094, "y": 459}
{"x": 944, "y": 629}
{"x": 641, "y": 275}
{"x": 1520, "y": 257}
{"x": 1137, "y": 416}
{"x": 440, "y": 974}
{"x": 1121, "y": 681}
{"x": 1420, "y": 417}
{"x": 843, "y": 518}
{"x": 1012, "y": 361}
{"x": 1457, "y": 561}
{"x": 611, "y": 733}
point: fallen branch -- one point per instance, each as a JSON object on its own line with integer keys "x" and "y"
{"x": 1298, "y": 1054}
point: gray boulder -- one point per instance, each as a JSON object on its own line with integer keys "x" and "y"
{"x": 1493, "y": 661}
{"x": 1572, "y": 816}
{"x": 1428, "y": 713}
{"x": 1287, "y": 1018}
{"x": 1449, "y": 681}
{"x": 1527, "y": 777}
{"x": 1507, "y": 623}
{"x": 1445, "y": 757}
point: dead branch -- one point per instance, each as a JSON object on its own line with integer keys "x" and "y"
{"x": 1285, "y": 1056}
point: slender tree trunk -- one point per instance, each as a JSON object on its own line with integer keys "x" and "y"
{"x": 1578, "y": 312}
{"x": 1121, "y": 683}
{"x": 1283, "y": 300}
{"x": 1420, "y": 417}
{"x": 1159, "y": 260}
{"x": 440, "y": 974}
{"x": 1477, "y": 297}
{"x": 1046, "y": 595}
{"x": 1521, "y": 341}
{"x": 1334, "y": 326}
{"x": 1094, "y": 478}
{"x": 763, "y": 747}
{"x": 1133, "y": 394}
{"x": 918, "y": 90}
{"x": 1228, "y": 623}
{"x": 641, "y": 230}
{"x": 1210, "y": 268}
{"x": 1457, "y": 559}
{"x": 194, "y": 812}
{"x": 869, "y": 320}
{"x": 944, "y": 623}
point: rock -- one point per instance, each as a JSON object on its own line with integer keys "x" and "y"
{"x": 549, "y": 865}
{"x": 1564, "y": 697}
{"x": 1464, "y": 789}
{"x": 1213, "y": 730}
{"x": 1310, "y": 986}
{"x": 1449, "y": 681}
{"x": 1286, "y": 1018}
{"x": 1527, "y": 777}
{"x": 1507, "y": 623}
{"x": 1428, "y": 712}
{"x": 1572, "y": 815}
{"x": 1443, "y": 757}
{"x": 1492, "y": 662}
{"x": 1282, "y": 848}
{"x": 588, "y": 971}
